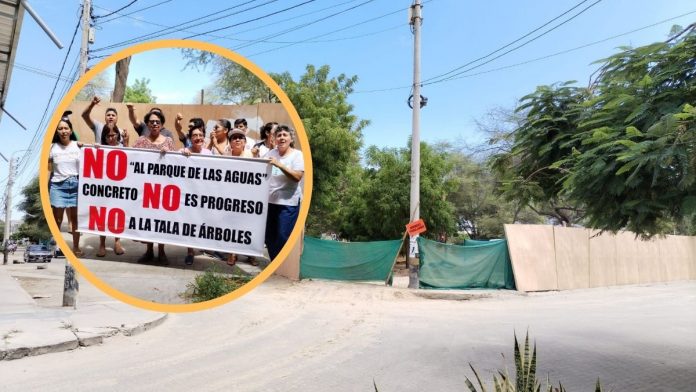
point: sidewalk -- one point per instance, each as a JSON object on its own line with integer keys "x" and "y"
{"x": 27, "y": 328}
{"x": 34, "y": 322}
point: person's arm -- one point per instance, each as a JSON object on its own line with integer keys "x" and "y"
{"x": 295, "y": 175}
{"x": 125, "y": 139}
{"x": 132, "y": 117}
{"x": 86, "y": 114}
{"x": 178, "y": 128}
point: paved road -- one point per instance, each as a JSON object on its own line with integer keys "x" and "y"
{"x": 322, "y": 336}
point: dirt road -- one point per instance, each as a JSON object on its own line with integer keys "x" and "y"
{"x": 324, "y": 336}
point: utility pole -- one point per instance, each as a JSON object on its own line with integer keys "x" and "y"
{"x": 71, "y": 286}
{"x": 413, "y": 263}
{"x": 8, "y": 210}
{"x": 86, "y": 24}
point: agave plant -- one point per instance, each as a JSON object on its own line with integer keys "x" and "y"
{"x": 525, "y": 374}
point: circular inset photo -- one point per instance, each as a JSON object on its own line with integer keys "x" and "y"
{"x": 177, "y": 175}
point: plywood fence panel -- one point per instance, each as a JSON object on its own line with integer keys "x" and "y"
{"x": 602, "y": 259}
{"x": 692, "y": 258}
{"x": 626, "y": 259}
{"x": 572, "y": 248}
{"x": 675, "y": 257}
{"x": 648, "y": 260}
{"x": 532, "y": 254}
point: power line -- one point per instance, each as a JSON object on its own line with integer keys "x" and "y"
{"x": 115, "y": 12}
{"x": 132, "y": 12}
{"x": 332, "y": 32}
{"x": 541, "y": 57}
{"x": 184, "y": 25}
{"x": 507, "y": 45}
{"x": 297, "y": 27}
{"x": 251, "y": 20}
{"x": 431, "y": 80}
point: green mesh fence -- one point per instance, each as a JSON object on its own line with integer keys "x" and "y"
{"x": 476, "y": 264}
{"x": 324, "y": 259}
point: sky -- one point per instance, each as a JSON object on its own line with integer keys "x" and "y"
{"x": 367, "y": 38}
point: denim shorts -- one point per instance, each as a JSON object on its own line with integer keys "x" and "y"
{"x": 63, "y": 194}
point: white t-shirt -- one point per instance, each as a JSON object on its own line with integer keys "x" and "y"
{"x": 250, "y": 143}
{"x": 282, "y": 189}
{"x": 65, "y": 161}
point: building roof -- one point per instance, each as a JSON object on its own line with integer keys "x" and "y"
{"x": 11, "y": 15}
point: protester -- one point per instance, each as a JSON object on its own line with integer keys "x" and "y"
{"x": 111, "y": 137}
{"x": 284, "y": 189}
{"x": 196, "y": 134}
{"x": 184, "y": 137}
{"x": 64, "y": 158}
{"x": 141, "y": 128}
{"x": 241, "y": 123}
{"x": 110, "y": 121}
{"x": 267, "y": 142}
{"x": 219, "y": 144}
{"x": 154, "y": 141}
{"x": 237, "y": 142}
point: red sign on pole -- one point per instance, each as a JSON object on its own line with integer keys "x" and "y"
{"x": 416, "y": 227}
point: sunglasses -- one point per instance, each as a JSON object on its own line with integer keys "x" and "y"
{"x": 237, "y": 137}
{"x": 154, "y": 122}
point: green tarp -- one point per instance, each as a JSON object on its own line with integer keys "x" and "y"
{"x": 476, "y": 264}
{"x": 325, "y": 259}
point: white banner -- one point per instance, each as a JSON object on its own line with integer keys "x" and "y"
{"x": 200, "y": 201}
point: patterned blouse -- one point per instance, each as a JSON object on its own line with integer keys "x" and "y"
{"x": 146, "y": 143}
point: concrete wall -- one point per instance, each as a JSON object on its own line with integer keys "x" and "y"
{"x": 561, "y": 258}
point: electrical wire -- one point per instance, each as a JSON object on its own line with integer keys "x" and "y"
{"x": 541, "y": 57}
{"x": 115, "y": 12}
{"x": 184, "y": 25}
{"x": 440, "y": 79}
{"x": 251, "y": 20}
{"x": 301, "y": 26}
{"x": 132, "y": 12}
{"x": 332, "y": 32}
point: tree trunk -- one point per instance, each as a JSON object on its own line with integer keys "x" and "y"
{"x": 70, "y": 287}
{"x": 122, "y": 67}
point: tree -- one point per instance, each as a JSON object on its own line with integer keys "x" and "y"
{"x": 378, "y": 209}
{"x": 637, "y": 168}
{"x": 335, "y": 136}
{"x": 139, "y": 92}
{"x": 530, "y": 173}
{"x": 479, "y": 211}
{"x": 97, "y": 86}
{"x": 34, "y": 226}
{"x": 622, "y": 152}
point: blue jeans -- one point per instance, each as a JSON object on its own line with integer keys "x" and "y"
{"x": 279, "y": 224}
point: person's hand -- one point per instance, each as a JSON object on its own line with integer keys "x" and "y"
{"x": 80, "y": 144}
{"x": 187, "y": 152}
{"x": 255, "y": 152}
{"x": 179, "y": 117}
{"x": 125, "y": 137}
{"x": 275, "y": 162}
{"x": 129, "y": 106}
{"x": 95, "y": 100}
{"x": 164, "y": 150}
{"x": 95, "y": 145}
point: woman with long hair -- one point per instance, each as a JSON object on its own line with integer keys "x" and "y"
{"x": 64, "y": 159}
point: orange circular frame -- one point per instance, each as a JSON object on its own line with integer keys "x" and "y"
{"x": 301, "y": 135}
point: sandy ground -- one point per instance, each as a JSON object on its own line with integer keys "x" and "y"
{"x": 330, "y": 336}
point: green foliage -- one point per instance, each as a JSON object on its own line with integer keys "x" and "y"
{"x": 139, "y": 92}
{"x": 479, "y": 211}
{"x": 34, "y": 226}
{"x": 213, "y": 284}
{"x": 335, "y": 136}
{"x": 532, "y": 171}
{"x": 621, "y": 155}
{"x": 378, "y": 207}
{"x": 525, "y": 374}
